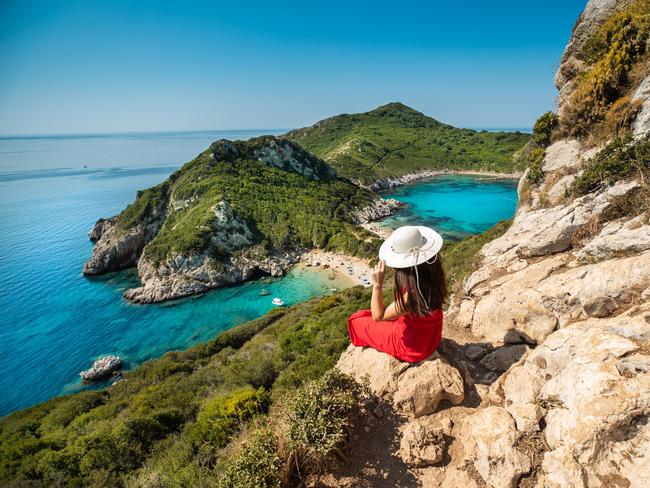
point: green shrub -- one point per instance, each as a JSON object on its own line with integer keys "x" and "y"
{"x": 619, "y": 160}
{"x": 221, "y": 415}
{"x": 148, "y": 205}
{"x": 319, "y": 416}
{"x": 535, "y": 174}
{"x": 257, "y": 465}
{"x": 544, "y": 127}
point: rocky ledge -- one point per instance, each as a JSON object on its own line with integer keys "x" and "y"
{"x": 181, "y": 276}
{"x": 379, "y": 209}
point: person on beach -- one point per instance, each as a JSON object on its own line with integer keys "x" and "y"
{"x": 410, "y": 328}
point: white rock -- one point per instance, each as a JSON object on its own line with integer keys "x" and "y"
{"x": 421, "y": 388}
{"x": 415, "y": 389}
{"x": 488, "y": 438}
{"x": 424, "y": 440}
{"x": 562, "y": 155}
{"x": 641, "y": 127}
{"x": 560, "y": 189}
{"x": 618, "y": 237}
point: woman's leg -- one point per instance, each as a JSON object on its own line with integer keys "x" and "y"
{"x": 364, "y": 331}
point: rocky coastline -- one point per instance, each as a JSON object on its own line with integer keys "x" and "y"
{"x": 394, "y": 182}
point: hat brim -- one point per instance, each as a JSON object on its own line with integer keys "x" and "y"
{"x": 430, "y": 248}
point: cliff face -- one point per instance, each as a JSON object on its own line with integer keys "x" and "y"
{"x": 238, "y": 209}
{"x": 552, "y": 329}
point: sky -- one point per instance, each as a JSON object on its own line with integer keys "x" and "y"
{"x": 69, "y": 66}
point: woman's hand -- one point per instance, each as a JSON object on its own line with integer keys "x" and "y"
{"x": 378, "y": 273}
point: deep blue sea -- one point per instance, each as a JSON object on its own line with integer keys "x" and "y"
{"x": 54, "y": 321}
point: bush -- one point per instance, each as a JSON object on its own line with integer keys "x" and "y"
{"x": 257, "y": 465}
{"x": 619, "y": 160}
{"x": 320, "y": 415}
{"x": 544, "y": 127}
{"x": 535, "y": 159}
{"x": 222, "y": 414}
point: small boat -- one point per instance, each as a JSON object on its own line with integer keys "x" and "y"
{"x": 264, "y": 292}
{"x": 277, "y": 301}
{"x": 333, "y": 289}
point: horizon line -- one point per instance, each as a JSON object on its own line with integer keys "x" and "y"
{"x": 182, "y": 131}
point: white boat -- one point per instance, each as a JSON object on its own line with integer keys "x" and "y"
{"x": 277, "y": 301}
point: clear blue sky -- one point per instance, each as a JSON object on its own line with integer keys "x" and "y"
{"x": 127, "y": 65}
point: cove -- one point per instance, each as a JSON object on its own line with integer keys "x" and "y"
{"x": 456, "y": 205}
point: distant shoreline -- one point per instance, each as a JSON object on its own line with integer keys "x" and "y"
{"x": 408, "y": 178}
{"x": 509, "y": 176}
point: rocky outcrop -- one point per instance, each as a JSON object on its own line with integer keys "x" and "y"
{"x": 116, "y": 249}
{"x": 379, "y": 209}
{"x": 589, "y": 382}
{"x": 595, "y": 13}
{"x": 102, "y": 368}
{"x": 181, "y": 276}
{"x": 641, "y": 127}
{"x": 414, "y": 389}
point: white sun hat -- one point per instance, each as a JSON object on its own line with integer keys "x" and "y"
{"x": 409, "y": 246}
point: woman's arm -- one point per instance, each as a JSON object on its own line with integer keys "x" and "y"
{"x": 379, "y": 311}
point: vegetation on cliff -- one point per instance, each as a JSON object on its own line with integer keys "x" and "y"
{"x": 195, "y": 417}
{"x": 615, "y": 59}
{"x": 280, "y": 195}
{"x": 393, "y": 140}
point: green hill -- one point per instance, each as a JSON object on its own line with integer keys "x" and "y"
{"x": 394, "y": 139}
{"x": 236, "y": 209}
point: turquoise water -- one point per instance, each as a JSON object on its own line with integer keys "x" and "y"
{"x": 55, "y": 321}
{"x": 455, "y": 205}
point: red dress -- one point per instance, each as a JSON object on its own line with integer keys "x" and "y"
{"x": 408, "y": 338}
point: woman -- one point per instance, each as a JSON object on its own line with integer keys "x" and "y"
{"x": 410, "y": 328}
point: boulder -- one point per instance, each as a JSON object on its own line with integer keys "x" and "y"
{"x": 488, "y": 438}
{"x": 380, "y": 370}
{"x": 424, "y": 440}
{"x": 414, "y": 389}
{"x": 102, "y": 368}
{"x": 422, "y": 387}
{"x": 502, "y": 358}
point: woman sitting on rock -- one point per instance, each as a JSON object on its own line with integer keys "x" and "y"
{"x": 410, "y": 328}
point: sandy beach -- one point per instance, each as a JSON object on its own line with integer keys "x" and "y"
{"x": 353, "y": 269}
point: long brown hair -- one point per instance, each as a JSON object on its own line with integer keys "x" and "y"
{"x": 433, "y": 293}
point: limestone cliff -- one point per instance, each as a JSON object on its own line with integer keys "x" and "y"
{"x": 551, "y": 332}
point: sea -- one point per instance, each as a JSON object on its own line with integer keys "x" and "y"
{"x": 54, "y": 321}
